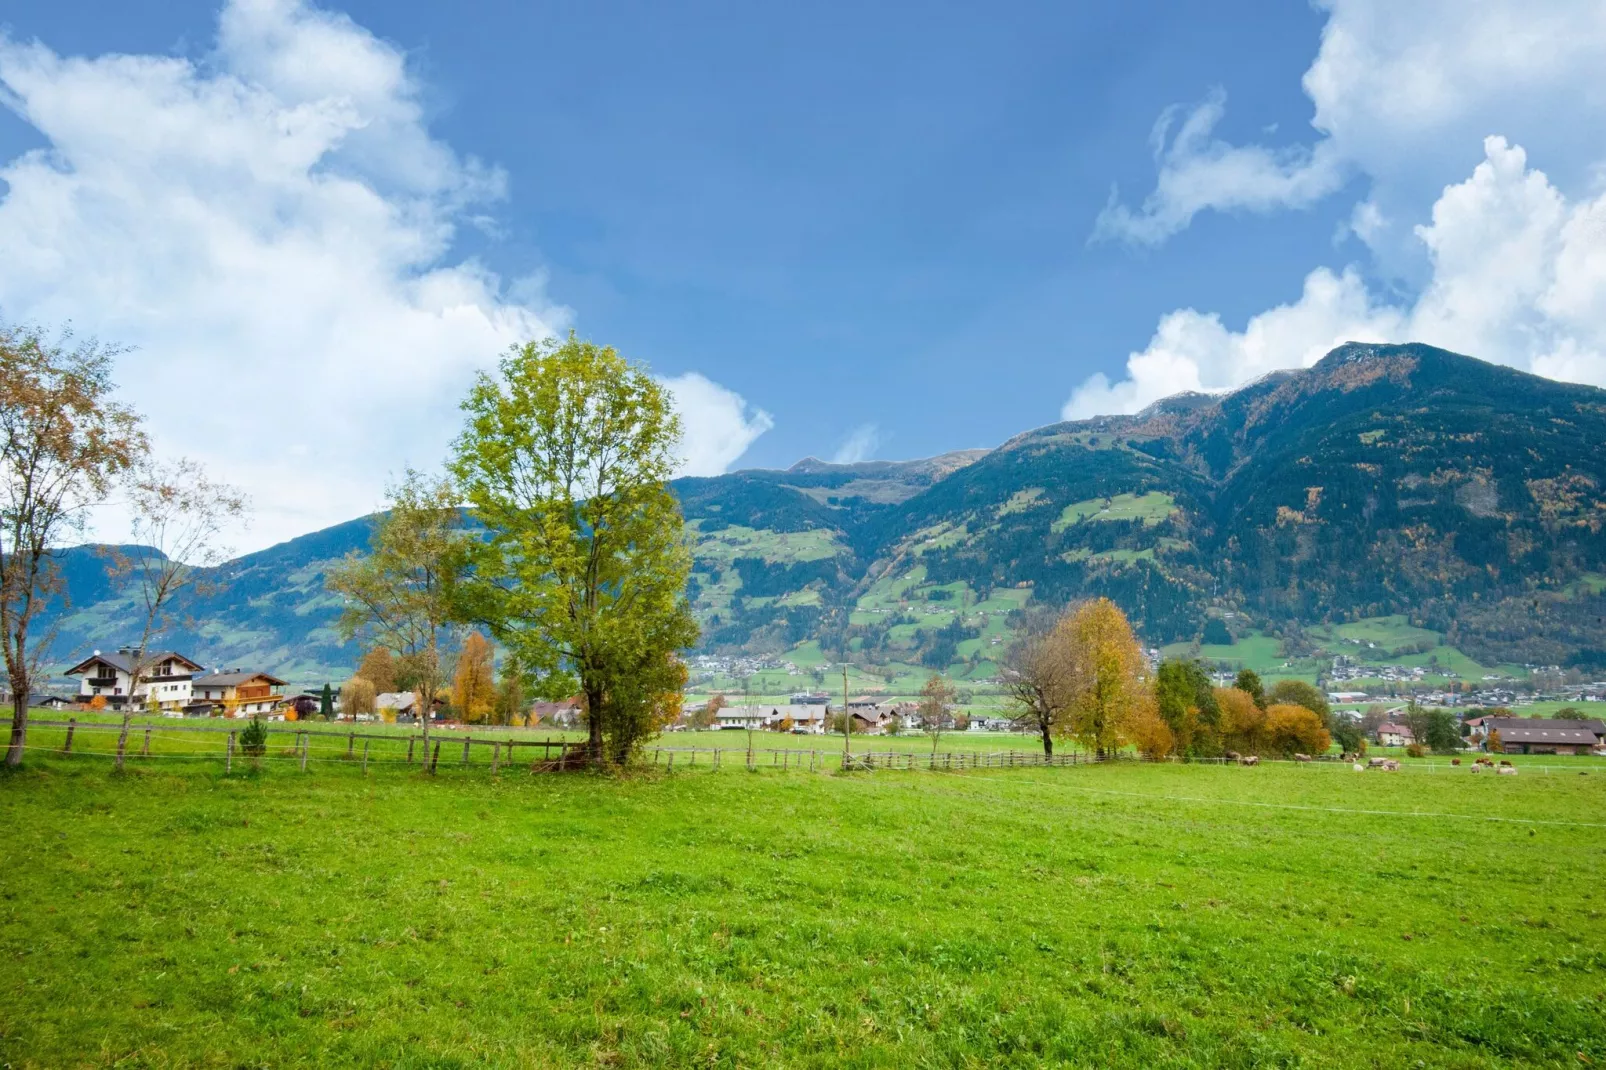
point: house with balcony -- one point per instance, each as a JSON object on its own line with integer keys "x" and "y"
{"x": 237, "y": 693}
{"x": 165, "y": 677}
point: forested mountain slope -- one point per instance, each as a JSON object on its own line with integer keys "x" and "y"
{"x": 1465, "y": 497}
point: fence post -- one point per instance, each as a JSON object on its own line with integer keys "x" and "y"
{"x": 496, "y": 757}
{"x": 410, "y": 741}
{"x": 465, "y": 750}
{"x": 72, "y": 726}
{"x": 716, "y": 759}
{"x": 145, "y": 751}
{"x": 304, "y": 748}
{"x": 122, "y": 741}
{"x": 671, "y": 766}
{"x": 435, "y": 757}
{"x": 351, "y": 745}
{"x": 228, "y": 759}
{"x": 365, "y": 757}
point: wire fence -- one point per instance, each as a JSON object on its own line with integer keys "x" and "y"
{"x": 304, "y": 747}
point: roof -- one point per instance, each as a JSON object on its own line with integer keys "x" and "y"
{"x": 1538, "y": 730}
{"x": 395, "y": 700}
{"x": 1391, "y": 729}
{"x": 232, "y": 679}
{"x": 125, "y": 662}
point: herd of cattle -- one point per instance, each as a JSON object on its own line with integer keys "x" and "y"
{"x": 1387, "y": 765}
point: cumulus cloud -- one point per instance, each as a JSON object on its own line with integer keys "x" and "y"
{"x": 272, "y": 229}
{"x": 860, "y": 445}
{"x": 1402, "y": 93}
{"x": 717, "y": 424}
{"x": 1518, "y": 276}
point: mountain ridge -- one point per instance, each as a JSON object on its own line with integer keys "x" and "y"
{"x": 1383, "y": 480}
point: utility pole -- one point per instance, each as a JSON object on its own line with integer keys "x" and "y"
{"x": 847, "y": 721}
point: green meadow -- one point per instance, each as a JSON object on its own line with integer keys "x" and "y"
{"x": 1112, "y": 915}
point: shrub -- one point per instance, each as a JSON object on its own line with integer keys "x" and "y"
{"x": 1415, "y": 750}
{"x": 254, "y": 738}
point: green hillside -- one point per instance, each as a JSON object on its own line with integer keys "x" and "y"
{"x": 1454, "y": 508}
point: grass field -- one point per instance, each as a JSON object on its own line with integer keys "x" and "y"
{"x": 1122, "y": 914}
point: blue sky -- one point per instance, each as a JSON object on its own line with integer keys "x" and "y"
{"x": 864, "y": 230}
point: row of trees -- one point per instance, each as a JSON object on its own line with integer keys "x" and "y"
{"x": 1081, "y": 676}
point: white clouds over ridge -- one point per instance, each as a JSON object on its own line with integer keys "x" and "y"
{"x": 1513, "y": 267}
{"x": 271, "y": 229}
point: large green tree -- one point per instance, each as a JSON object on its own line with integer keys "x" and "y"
{"x": 1186, "y": 700}
{"x": 565, "y": 460}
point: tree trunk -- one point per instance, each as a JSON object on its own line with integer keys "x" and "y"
{"x": 1048, "y": 742}
{"x": 19, "y": 728}
{"x": 593, "y": 724}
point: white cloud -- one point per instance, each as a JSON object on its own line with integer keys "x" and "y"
{"x": 1403, "y": 93}
{"x": 718, "y": 425}
{"x": 1199, "y": 171}
{"x": 272, "y": 229}
{"x": 860, "y": 445}
{"x": 1518, "y": 276}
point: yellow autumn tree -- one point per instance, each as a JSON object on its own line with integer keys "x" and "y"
{"x": 1243, "y": 723}
{"x": 474, "y": 683}
{"x": 1294, "y": 729}
{"x": 1108, "y": 690}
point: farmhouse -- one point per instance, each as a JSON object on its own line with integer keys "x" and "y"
{"x": 1390, "y": 734}
{"x": 237, "y": 693}
{"x": 1519, "y": 735}
{"x": 740, "y": 717}
{"x": 166, "y": 676}
{"x": 565, "y": 713}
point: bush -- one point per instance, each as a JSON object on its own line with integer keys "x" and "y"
{"x": 254, "y": 738}
{"x": 1415, "y": 750}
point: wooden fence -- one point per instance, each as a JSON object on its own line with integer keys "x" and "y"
{"x": 497, "y": 751}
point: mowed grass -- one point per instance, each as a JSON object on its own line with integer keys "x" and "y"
{"x": 1124, "y": 914}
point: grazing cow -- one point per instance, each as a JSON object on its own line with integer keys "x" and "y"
{"x": 1506, "y": 764}
{"x": 1358, "y": 767}
{"x": 1249, "y": 759}
{"x": 1301, "y": 757}
{"x": 1233, "y": 756}
{"x": 1477, "y": 768}
{"x": 1507, "y": 770}
{"x": 1455, "y": 761}
{"x": 1376, "y": 763}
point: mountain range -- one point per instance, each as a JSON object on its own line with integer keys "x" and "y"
{"x": 1423, "y": 494}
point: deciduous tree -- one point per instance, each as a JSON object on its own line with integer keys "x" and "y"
{"x": 1243, "y": 723}
{"x": 178, "y": 517}
{"x": 1248, "y": 681}
{"x": 1186, "y": 702}
{"x": 1294, "y": 729}
{"x": 63, "y": 445}
{"x": 1107, "y": 685}
{"x": 510, "y": 705}
{"x": 378, "y": 667}
{"x": 1301, "y": 693}
{"x": 936, "y": 703}
{"x": 474, "y": 682}
{"x": 357, "y": 696}
{"x": 399, "y": 595}
{"x": 565, "y": 460}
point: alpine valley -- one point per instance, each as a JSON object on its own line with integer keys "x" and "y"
{"x": 1392, "y": 505}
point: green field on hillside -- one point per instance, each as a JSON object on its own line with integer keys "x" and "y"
{"x": 1125, "y": 915}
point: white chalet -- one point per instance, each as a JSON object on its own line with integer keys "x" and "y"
{"x": 166, "y": 676}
